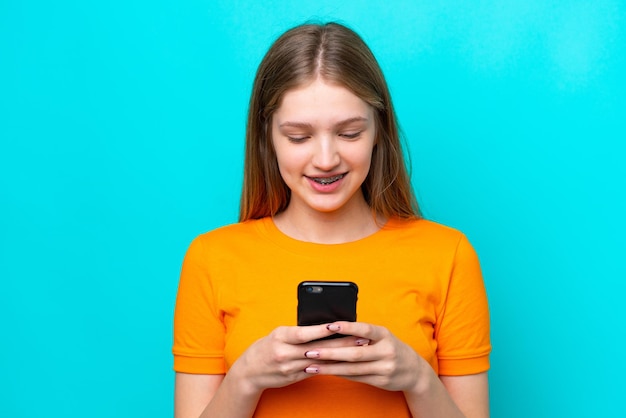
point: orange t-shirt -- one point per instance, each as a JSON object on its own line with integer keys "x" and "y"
{"x": 419, "y": 279}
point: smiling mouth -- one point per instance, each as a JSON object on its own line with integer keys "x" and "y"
{"x": 327, "y": 180}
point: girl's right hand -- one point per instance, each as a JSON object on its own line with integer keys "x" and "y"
{"x": 280, "y": 358}
{"x": 277, "y": 360}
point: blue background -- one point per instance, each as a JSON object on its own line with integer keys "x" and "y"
{"x": 121, "y": 138}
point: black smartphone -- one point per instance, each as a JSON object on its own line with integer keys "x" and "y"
{"x": 324, "y": 302}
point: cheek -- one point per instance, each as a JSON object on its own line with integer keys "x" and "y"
{"x": 279, "y": 154}
{"x": 282, "y": 167}
{"x": 363, "y": 159}
{"x": 289, "y": 162}
{"x": 291, "y": 156}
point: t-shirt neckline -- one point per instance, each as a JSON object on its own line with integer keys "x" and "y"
{"x": 269, "y": 229}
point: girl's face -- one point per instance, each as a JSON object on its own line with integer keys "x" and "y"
{"x": 324, "y": 136}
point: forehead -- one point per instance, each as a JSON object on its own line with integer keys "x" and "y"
{"x": 322, "y": 102}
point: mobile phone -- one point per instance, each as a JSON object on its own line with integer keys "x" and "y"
{"x": 324, "y": 302}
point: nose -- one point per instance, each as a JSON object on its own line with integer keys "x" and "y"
{"x": 326, "y": 154}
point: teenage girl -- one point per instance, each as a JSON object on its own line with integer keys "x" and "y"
{"x": 326, "y": 196}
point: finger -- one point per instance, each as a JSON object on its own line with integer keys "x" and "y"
{"x": 312, "y": 349}
{"x": 357, "y": 372}
{"x": 348, "y": 341}
{"x": 354, "y": 354}
{"x": 303, "y": 334}
{"x": 350, "y": 370}
{"x": 362, "y": 329}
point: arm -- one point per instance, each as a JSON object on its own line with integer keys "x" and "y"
{"x": 392, "y": 365}
{"x": 205, "y": 396}
{"x": 274, "y": 361}
{"x": 193, "y": 392}
{"x": 470, "y": 393}
{"x": 450, "y": 396}
{"x": 462, "y": 325}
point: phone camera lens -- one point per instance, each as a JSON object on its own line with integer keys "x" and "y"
{"x": 309, "y": 289}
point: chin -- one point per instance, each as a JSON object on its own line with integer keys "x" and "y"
{"x": 329, "y": 207}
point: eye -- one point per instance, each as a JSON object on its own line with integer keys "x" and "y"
{"x": 297, "y": 139}
{"x": 351, "y": 135}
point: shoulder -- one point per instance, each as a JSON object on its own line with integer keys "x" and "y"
{"x": 237, "y": 234}
{"x": 429, "y": 239}
{"x": 233, "y": 230}
{"x": 425, "y": 230}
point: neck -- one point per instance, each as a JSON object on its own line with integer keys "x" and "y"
{"x": 337, "y": 227}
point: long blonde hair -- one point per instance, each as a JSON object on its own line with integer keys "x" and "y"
{"x": 336, "y": 54}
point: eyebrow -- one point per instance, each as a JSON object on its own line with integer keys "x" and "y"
{"x": 308, "y": 125}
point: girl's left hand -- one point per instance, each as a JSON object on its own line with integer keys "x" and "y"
{"x": 385, "y": 362}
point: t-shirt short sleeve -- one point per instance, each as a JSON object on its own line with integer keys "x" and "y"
{"x": 462, "y": 330}
{"x": 198, "y": 327}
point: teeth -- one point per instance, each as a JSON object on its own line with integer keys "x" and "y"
{"x": 327, "y": 180}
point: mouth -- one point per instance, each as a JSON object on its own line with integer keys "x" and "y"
{"x": 328, "y": 180}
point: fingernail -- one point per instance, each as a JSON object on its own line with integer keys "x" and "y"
{"x": 362, "y": 341}
{"x": 333, "y": 327}
{"x": 312, "y": 370}
{"x": 312, "y": 354}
